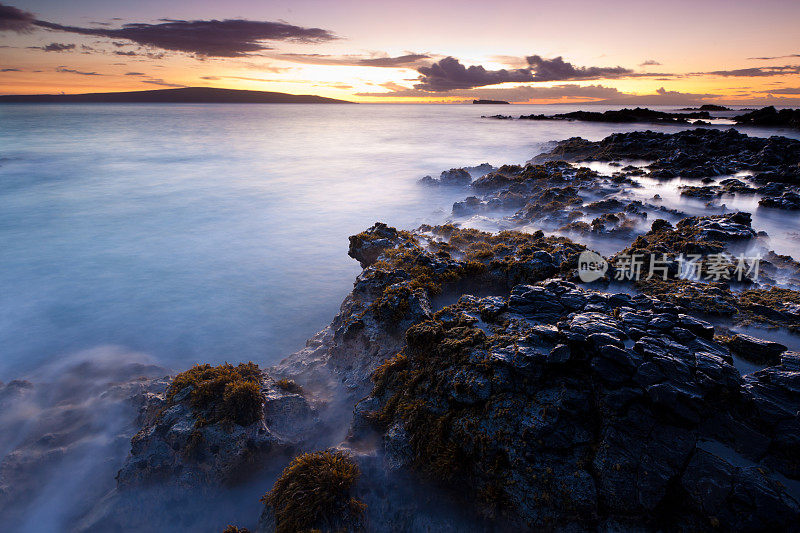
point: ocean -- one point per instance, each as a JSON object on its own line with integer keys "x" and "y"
{"x": 211, "y": 233}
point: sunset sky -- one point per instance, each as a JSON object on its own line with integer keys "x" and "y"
{"x": 617, "y": 52}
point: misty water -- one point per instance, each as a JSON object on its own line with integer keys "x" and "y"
{"x": 217, "y": 233}
{"x": 168, "y": 235}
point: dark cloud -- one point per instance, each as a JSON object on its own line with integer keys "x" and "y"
{"x": 399, "y": 61}
{"x": 10, "y": 70}
{"x": 559, "y": 70}
{"x": 55, "y": 47}
{"x": 131, "y": 53}
{"x": 13, "y": 19}
{"x": 649, "y": 63}
{"x": 449, "y": 74}
{"x": 212, "y": 38}
{"x": 408, "y": 60}
{"x": 775, "y": 57}
{"x": 73, "y": 71}
{"x": 755, "y": 72}
{"x": 135, "y": 74}
{"x": 787, "y": 90}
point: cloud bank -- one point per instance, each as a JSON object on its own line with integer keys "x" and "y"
{"x": 755, "y": 72}
{"x": 210, "y": 38}
{"x": 17, "y": 20}
{"x": 558, "y": 70}
{"x": 774, "y": 57}
{"x": 449, "y": 74}
{"x": 73, "y": 71}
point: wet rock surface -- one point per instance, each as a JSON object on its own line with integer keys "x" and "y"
{"x": 757, "y": 349}
{"x": 771, "y": 117}
{"x": 456, "y": 177}
{"x": 693, "y": 153}
{"x": 179, "y": 445}
{"x": 787, "y": 200}
{"x": 603, "y": 418}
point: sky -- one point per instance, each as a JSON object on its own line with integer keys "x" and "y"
{"x": 639, "y": 52}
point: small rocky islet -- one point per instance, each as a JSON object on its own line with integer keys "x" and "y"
{"x": 473, "y": 381}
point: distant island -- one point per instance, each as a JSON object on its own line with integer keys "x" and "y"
{"x": 618, "y": 116}
{"x": 707, "y": 107}
{"x": 187, "y": 95}
{"x": 489, "y": 102}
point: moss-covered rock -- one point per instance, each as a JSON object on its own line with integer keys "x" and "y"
{"x": 217, "y": 426}
{"x": 223, "y": 393}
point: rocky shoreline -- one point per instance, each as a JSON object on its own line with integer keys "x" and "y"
{"x": 474, "y": 381}
{"x": 764, "y": 117}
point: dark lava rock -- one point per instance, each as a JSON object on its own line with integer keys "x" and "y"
{"x": 787, "y": 200}
{"x": 579, "y": 429}
{"x": 455, "y": 177}
{"x": 696, "y": 153}
{"x": 733, "y": 227}
{"x": 367, "y": 246}
{"x": 479, "y": 170}
{"x": 704, "y": 192}
{"x": 701, "y": 328}
{"x": 492, "y": 181}
{"x": 187, "y": 448}
{"x": 469, "y": 206}
{"x": 770, "y": 117}
{"x": 756, "y": 349}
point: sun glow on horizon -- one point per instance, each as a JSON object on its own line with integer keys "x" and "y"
{"x": 364, "y": 61}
